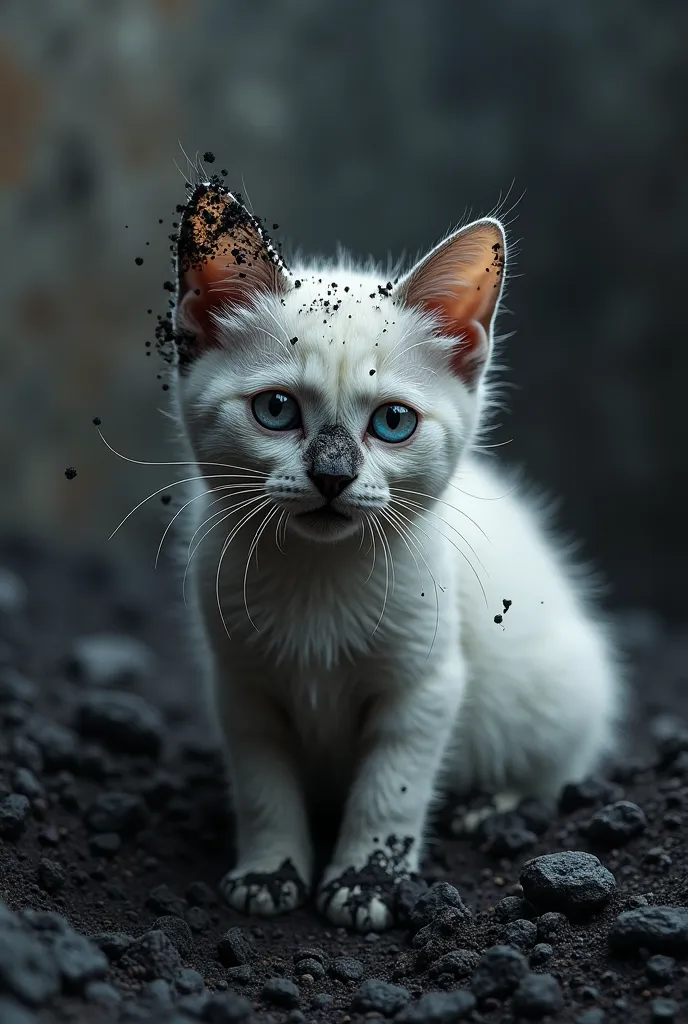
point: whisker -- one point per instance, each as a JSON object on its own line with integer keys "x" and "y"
{"x": 167, "y": 487}
{"x": 384, "y": 600}
{"x": 435, "y": 584}
{"x": 281, "y": 328}
{"x": 254, "y": 547}
{"x": 403, "y": 503}
{"x": 372, "y": 539}
{"x": 201, "y": 494}
{"x": 193, "y": 462}
{"x": 416, "y": 506}
{"x": 225, "y": 548}
{"x": 277, "y": 529}
{"x": 227, "y": 512}
{"x": 422, "y": 494}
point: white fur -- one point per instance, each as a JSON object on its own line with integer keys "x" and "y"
{"x": 346, "y": 683}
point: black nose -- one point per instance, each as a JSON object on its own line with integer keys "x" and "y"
{"x": 330, "y": 485}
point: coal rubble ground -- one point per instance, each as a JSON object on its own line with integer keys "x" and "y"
{"x": 114, "y": 831}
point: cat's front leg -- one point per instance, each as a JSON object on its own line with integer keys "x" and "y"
{"x": 379, "y": 846}
{"x": 274, "y": 853}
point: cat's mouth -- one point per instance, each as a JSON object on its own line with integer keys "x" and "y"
{"x": 325, "y": 514}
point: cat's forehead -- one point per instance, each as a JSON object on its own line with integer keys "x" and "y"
{"x": 336, "y": 308}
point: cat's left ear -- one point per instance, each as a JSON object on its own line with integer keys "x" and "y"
{"x": 224, "y": 260}
{"x": 460, "y": 281}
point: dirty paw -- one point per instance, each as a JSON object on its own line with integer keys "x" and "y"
{"x": 365, "y": 898}
{"x": 264, "y": 893}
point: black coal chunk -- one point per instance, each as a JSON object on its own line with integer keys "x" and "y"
{"x": 375, "y": 996}
{"x": 658, "y": 929}
{"x": 439, "y": 897}
{"x": 499, "y": 973}
{"x": 14, "y": 812}
{"x": 438, "y": 1008}
{"x": 537, "y": 996}
{"x": 281, "y": 992}
{"x": 152, "y": 956}
{"x": 123, "y": 721}
{"x": 573, "y": 882}
{"x": 235, "y": 948}
{"x": 615, "y": 824}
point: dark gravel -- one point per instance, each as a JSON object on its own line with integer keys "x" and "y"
{"x": 114, "y": 831}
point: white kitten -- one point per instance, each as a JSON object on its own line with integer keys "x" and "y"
{"x": 355, "y": 557}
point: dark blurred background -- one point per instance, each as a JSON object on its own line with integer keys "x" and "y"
{"x": 376, "y": 125}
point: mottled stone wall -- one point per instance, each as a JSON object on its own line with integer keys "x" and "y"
{"x": 375, "y": 124}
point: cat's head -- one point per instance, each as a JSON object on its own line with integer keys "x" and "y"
{"x": 340, "y": 391}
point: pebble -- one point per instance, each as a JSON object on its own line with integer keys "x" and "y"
{"x": 14, "y": 810}
{"x": 24, "y": 781}
{"x": 346, "y": 968}
{"x": 240, "y": 975}
{"x": 26, "y": 753}
{"x": 14, "y": 593}
{"x": 380, "y": 996}
{"x": 615, "y": 824}
{"x": 27, "y": 971}
{"x": 198, "y": 919}
{"x": 498, "y": 973}
{"x": 123, "y": 721}
{"x": 438, "y": 1008}
{"x": 506, "y": 834}
{"x": 592, "y": 1016}
{"x": 321, "y": 1001}
{"x": 12, "y": 1012}
{"x": 663, "y": 1011}
{"x": 16, "y": 688}
{"x": 310, "y": 953}
{"x": 113, "y": 944}
{"x": 551, "y": 925}
{"x": 235, "y": 948}
{"x": 177, "y": 931}
{"x": 521, "y": 934}
{"x": 187, "y": 981}
{"x": 660, "y": 968}
{"x": 199, "y": 894}
{"x": 590, "y": 791}
{"x": 541, "y": 954}
{"x": 459, "y": 963}
{"x": 78, "y": 959}
{"x": 101, "y": 993}
{"x": 314, "y": 969}
{"x": 227, "y": 1008}
{"x": 105, "y": 844}
{"x": 511, "y": 908}
{"x": 440, "y": 896}
{"x": 281, "y": 992}
{"x": 573, "y": 882}
{"x": 110, "y": 659}
{"x": 537, "y": 996}
{"x": 657, "y": 929}
{"x": 163, "y": 900}
{"x": 51, "y": 876}
{"x": 123, "y": 813}
{"x": 58, "y": 744}
{"x": 152, "y": 956}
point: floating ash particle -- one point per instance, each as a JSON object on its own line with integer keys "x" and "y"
{"x": 139, "y": 261}
{"x": 165, "y": 498}
{"x": 208, "y": 157}
{"x": 499, "y": 619}
{"x": 70, "y": 472}
{"x": 97, "y": 421}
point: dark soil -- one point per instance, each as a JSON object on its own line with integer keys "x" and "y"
{"x": 113, "y": 814}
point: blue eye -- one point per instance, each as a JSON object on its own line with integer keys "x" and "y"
{"x": 276, "y": 411}
{"x": 393, "y": 423}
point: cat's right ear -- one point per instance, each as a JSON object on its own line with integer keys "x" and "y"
{"x": 224, "y": 261}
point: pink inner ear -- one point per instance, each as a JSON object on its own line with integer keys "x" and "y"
{"x": 461, "y": 281}
{"x": 225, "y": 260}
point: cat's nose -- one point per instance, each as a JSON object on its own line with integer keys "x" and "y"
{"x": 331, "y": 485}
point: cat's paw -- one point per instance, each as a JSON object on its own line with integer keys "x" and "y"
{"x": 264, "y": 893}
{"x": 363, "y": 895}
